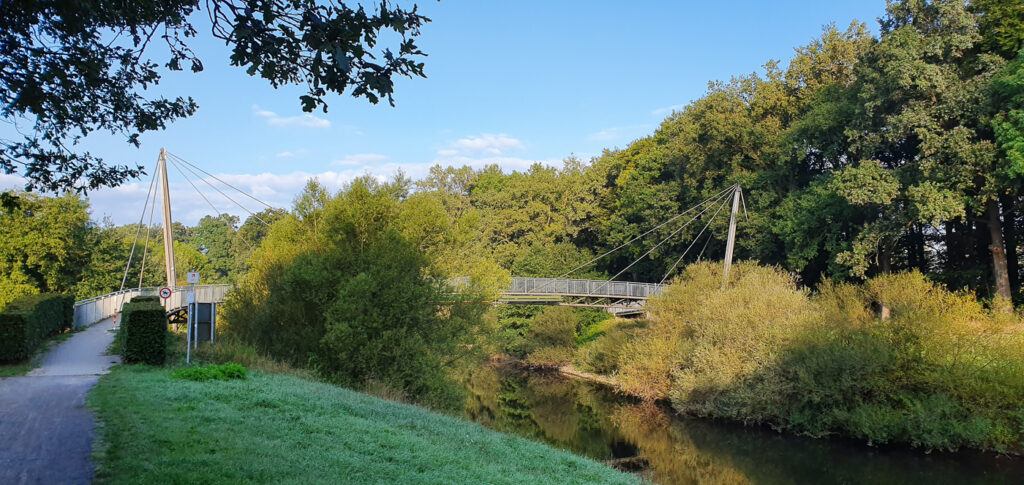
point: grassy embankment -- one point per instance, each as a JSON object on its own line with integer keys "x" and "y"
{"x": 284, "y": 429}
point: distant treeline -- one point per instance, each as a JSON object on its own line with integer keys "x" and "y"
{"x": 50, "y": 244}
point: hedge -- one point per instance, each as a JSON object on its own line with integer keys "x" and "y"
{"x": 145, "y": 298}
{"x": 30, "y": 319}
{"x": 145, "y": 333}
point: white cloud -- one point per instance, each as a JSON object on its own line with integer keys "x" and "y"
{"x": 292, "y": 154}
{"x": 360, "y": 159}
{"x": 304, "y": 120}
{"x": 11, "y": 181}
{"x": 487, "y": 144}
{"x": 506, "y": 163}
{"x": 480, "y": 151}
{"x": 662, "y": 112}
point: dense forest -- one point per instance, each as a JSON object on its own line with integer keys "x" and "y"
{"x": 878, "y": 171}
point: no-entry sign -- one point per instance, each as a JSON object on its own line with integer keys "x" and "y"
{"x": 165, "y": 292}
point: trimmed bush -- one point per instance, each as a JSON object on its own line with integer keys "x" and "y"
{"x": 145, "y": 299}
{"x": 30, "y": 319}
{"x": 145, "y": 333}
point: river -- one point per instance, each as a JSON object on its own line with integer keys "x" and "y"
{"x": 666, "y": 448}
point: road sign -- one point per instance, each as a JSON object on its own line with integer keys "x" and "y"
{"x": 165, "y": 292}
{"x": 192, "y": 278}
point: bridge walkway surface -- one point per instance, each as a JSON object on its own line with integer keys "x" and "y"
{"x": 47, "y": 430}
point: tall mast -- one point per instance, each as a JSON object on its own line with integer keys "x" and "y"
{"x": 731, "y": 242}
{"x": 168, "y": 228}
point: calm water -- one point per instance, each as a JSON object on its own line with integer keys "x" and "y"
{"x": 589, "y": 420}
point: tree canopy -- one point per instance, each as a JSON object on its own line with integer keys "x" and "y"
{"x": 68, "y": 69}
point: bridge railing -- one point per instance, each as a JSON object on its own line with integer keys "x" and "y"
{"x": 94, "y": 309}
{"x": 580, "y": 287}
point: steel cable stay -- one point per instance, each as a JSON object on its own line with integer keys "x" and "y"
{"x": 659, "y": 226}
{"x": 186, "y": 162}
{"x": 145, "y": 250}
{"x": 695, "y": 239}
{"x": 138, "y": 231}
{"x": 701, "y": 254}
{"x": 215, "y": 210}
{"x": 709, "y": 202}
{"x": 226, "y": 196}
{"x": 723, "y": 196}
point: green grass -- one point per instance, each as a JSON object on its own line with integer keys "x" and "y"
{"x": 283, "y": 429}
{"x": 20, "y": 368}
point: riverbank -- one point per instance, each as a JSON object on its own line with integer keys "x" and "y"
{"x": 664, "y": 446}
{"x": 277, "y": 428}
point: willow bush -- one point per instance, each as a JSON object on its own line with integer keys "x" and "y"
{"x": 345, "y": 288}
{"x": 939, "y": 372}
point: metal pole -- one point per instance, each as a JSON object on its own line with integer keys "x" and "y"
{"x": 213, "y": 320}
{"x": 190, "y": 307}
{"x": 168, "y": 227}
{"x": 188, "y": 334}
{"x": 731, "y": 242}
{"x": 194, "y": 316}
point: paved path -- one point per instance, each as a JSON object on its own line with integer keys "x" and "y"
{"x": 46, "y": 432}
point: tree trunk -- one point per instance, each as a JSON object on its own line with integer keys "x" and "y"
{"x": 953, "y": 253}
{"x": 999, "y": 268}
{"x": 1010, "y": 234}
{"x": 922, "y": 256}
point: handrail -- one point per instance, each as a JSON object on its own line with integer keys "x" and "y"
{"x": 574, "y": 287}
{"x": 92, "y": 310}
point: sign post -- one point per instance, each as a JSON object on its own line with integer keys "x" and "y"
{"x": 192, "y": 278}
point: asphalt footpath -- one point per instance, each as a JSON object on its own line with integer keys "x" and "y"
{"x": 46, "y": 432}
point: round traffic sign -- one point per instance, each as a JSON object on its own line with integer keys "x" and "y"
{"x": 165, "y": 292}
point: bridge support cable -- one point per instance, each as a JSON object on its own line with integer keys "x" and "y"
{"x": 226, "y": 196}
{"x": 700, "y": 255}
{"x": 715, "y": 197}
{"x": 145, "y": 248}
{"x": 138, "y": 231}
{"x": 215, "y": 210}
{"x": 695, "y": 239}
{"x": 670, "y": 236}
{"x": 186, "y": 162}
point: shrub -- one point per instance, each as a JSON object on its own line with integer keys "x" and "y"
{"x": 601, "y": 354}
{"x": 145, "y": 333}
{"x": 26, "y": 321}
{"x": 145, "y": 299}
{"x": 341, "y": 289}
{"x": 211, "y": 372}
{"x": 552, "y": 337}
{"x": 939, "y": 372}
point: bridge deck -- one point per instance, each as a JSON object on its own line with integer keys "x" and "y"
{"x": 595, "y": 293}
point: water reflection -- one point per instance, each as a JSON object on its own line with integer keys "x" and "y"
{"x": 589, "y": 420}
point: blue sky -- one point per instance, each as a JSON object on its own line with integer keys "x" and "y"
{"x": 511, "y": 83}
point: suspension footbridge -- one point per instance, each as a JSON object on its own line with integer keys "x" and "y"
{"x": 613, "y": 295}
